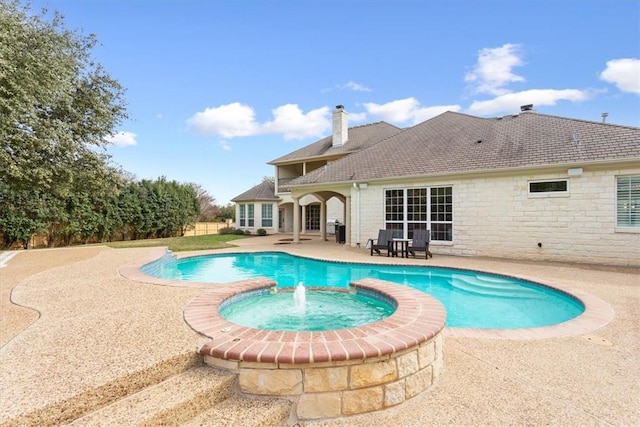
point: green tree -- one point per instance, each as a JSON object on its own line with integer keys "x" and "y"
{"x": 56, "y": 108}
{"x": 227, "y": 212}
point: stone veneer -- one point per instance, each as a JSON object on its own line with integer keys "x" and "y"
{"x": 329, "y": 373}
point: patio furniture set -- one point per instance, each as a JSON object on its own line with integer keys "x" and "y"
{"x": 399, "y": 246}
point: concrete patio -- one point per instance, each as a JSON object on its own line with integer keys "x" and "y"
{"x": 75, "y": 336}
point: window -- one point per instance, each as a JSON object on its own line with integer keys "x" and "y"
{"x": 420, "y": 209}
{"x": 243, "y": 215}
{"x": 267, "y": 215}
{"x": 313, "y": 217}
{"x": 394, "y": 210}
{"x": 441, "y": 213}
{"x": 628, "y": 201}
{"x": 559, "y": 186}
{"x": 250, "y": 221}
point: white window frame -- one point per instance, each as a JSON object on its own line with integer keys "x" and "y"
{"x": 534, "y": 194}
{"x": 402, "y": 218}
{"x": 243, "y": 214}
{"x": 267, "y": 215}
{"x": 250, "y": 215}
{"x": 629, "y": 204}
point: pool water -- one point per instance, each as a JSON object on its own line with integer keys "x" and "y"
{"x": 322, "y": 311}
{"x": 472, "y": 299}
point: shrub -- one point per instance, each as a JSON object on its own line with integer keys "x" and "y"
{"x": 239, "y": 232}
{"x": 261, "y": 232}
{"x": 247, "y": 232}
{"x": 227, "y": 230}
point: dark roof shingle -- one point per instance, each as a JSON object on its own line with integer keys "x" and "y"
{"x": 359, "y": 137}
{"x": 263, "y": 191}
{"x": 459, "y": 143}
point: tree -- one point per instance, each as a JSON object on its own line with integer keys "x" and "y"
{"x": 227, "y": 212}
{"x": 56, "y": 108}
{"x": 208, "y": 208}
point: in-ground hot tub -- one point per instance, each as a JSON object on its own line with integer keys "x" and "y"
{"x": 329, "y": 373}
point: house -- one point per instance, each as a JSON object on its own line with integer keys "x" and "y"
{"x": 528, "y": 186}
{"x": 263, "y": 198}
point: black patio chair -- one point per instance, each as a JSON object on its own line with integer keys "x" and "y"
{"x": 382, "y": 243}
{"x": 420, "y": 243}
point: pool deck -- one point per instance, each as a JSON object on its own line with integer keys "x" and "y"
{"x": 71, "y": 324}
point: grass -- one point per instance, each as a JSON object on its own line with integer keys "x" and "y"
{"x": 177, "y": 244}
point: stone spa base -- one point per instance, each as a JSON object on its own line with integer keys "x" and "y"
{"x": 329, "y": 373}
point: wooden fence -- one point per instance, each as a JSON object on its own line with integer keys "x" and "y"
{"x": 203, "y": 228}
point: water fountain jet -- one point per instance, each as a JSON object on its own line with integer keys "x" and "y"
{"x": 299, "y": 297}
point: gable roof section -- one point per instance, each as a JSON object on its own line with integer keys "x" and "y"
{"x": 263, "y": 191}
{"x": 359, "y": 137}
{"x": 459, "y": 143}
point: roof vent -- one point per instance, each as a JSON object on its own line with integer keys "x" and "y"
{"x": 528, "y": 107}
{"x": 575, "y": 137}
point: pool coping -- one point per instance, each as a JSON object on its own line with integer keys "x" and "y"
{"x": 597, "y": 313}
{"x": 417, "y": 319}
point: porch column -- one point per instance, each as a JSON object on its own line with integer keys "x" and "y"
{"x": 323, "y": 220}
{"x": 304, "y": 219}
{"x": 347, "y": 221}
{"x": 296, "y": 220}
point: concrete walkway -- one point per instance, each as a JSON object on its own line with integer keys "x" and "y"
{"x": 76, "y": 333}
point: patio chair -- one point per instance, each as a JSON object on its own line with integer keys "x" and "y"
{"x": 382, "y": 242}
{"x": 420, "y": 243}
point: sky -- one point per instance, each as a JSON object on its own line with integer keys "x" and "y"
{"x": 217, "y": 89}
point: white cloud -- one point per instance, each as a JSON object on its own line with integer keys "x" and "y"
{"x": 624, "y": 73}
{"x": 228, "y": 121}
{"x": 224, "y": 145}
{"x": 235, "y": 120}
{"x": 122, "y": 139}
{"x": 493, "y": 69}
{"x": 511, "y": 102}
{"x": 356, "y": 87}
{"x": 357, "y": 117}
{"x": 406, "y": 110}
{"x": 292, "y": 123}
{"x": 350, "y": 85}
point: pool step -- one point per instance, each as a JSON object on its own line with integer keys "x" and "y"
{"x": 201, "y": 396}
{"x": 239, "y": 411}
{"x": 173, "y": 401}
{"x": 480, "y": 285}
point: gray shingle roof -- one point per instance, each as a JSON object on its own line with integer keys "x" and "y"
{"x": 263, "y": 191}
{"x": 359, "y": 137}
{"x": 449, "y": 143}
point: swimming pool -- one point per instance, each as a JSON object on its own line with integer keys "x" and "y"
{"x": 472, "y": 299}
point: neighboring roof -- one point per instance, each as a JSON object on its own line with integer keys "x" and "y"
{"x": 459, "y": 143}
{"x": 359, "y": 137}
{"x": 263, "y": 191}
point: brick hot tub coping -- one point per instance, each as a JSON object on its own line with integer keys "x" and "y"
{"x": 418, "y": 318}
{"x": 334, "y": 373}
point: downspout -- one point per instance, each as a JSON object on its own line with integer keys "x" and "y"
{"x": 357, "y": 187}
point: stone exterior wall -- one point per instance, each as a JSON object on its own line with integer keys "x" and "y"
{"x": 496, "y": 216}
{"x": 335, "y": 389}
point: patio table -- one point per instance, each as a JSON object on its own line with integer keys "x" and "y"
{"x": 400, "y": 245}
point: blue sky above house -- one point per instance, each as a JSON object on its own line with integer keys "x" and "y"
{"x": 217, "y": 89}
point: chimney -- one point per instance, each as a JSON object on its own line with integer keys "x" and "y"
{"x": 340, "y": 129}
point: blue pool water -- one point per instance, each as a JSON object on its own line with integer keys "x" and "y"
{"x": 321, "y": 311}
{"x": 472, "y": 299}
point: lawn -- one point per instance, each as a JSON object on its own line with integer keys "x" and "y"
{"x": 177, "y": 244}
